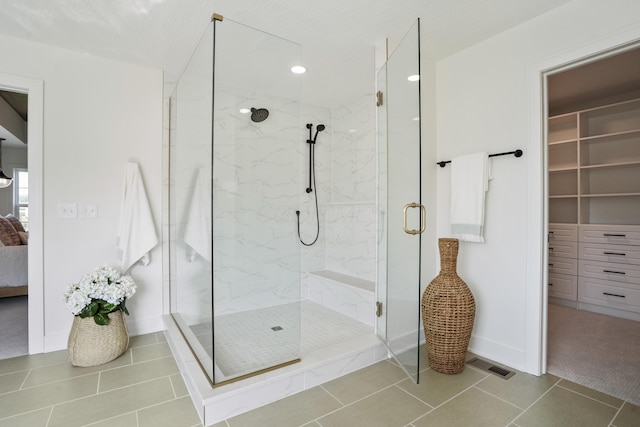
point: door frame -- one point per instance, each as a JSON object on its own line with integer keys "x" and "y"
{"x": 537, "y": 172}
{"x": 34, "y": 89}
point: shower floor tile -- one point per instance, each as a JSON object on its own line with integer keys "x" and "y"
{"x": 254, "y": 340}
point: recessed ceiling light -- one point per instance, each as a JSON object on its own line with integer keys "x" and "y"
{"x": 414, "y": 78}
{"x": 245, "y": 111}
{"x": 298, "y": 69}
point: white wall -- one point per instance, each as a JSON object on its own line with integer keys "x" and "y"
{"x": 98, "y": 114}
{"x": 488, "y": 99}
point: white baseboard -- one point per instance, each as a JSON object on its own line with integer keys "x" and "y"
{"x": 505, "y": 355}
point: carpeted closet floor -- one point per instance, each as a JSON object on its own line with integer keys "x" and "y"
{"x": 597, "y": 351}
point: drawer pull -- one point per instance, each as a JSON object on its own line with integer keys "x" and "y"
{"x": 614, "y": 235}
{"x": 550, "y": 284}
{"x": 615, "y": 253}
{"x": 614, "y": 272}
{"x": 550, "y": 264}
{"x": 613, "y": 295}
{"x": 550, "y": 248}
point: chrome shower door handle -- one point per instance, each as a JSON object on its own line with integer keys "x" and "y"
{"x": 423, "y": 218}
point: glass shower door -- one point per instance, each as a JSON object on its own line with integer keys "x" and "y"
{"x": 235, "y": 178}
{"x": 399, "y": 195}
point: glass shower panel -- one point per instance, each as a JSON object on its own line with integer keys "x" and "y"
{"x": 235, "y": 177}
{"x": 190, "y": 204}
{"x": 256, "y": 183}
{"x": 399, "y": 193}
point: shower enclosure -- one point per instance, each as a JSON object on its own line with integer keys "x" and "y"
{"x": 234, "y": 190}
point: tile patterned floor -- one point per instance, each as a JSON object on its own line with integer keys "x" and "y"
{"x": 143, "y": 388}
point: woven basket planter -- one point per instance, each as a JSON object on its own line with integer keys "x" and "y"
{"x": 91, "y": 344}
{"x": 448, "y": 312}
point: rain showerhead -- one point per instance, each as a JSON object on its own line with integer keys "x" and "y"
{"x": 259, "y": 114}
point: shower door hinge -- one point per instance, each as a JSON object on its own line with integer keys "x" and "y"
{"x": 378, "y": 309}
{"x": 378, "y": 98}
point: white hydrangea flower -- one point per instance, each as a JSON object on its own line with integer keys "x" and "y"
{"x": 104, "y": 283}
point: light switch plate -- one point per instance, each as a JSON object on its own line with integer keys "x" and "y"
{"x": 67, "y": 210}
{"x": 88, "y": 210}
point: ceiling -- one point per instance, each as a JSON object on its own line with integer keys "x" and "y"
{"x": 613, "y": 78}
{"x": 337, "y": 36}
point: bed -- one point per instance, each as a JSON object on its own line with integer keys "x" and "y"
{"x": 13, "y": 270}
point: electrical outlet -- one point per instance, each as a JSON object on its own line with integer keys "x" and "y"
{"x": 88, "y": 210}
{"x": 67, "y": 210}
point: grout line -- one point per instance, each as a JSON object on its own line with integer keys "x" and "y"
{"x": 173, "y": 388}
{"x": 513, "y": 421}
{"x": 330, "y": 394}
{"x": 352, "y": 403}
{"x": 25, "y": 380}
{"x": 616, "y": 415}
{"x": 450, "y": 399}
{"x": 593, "y": 398}
{"x": 499, "y": 398}
{"x": 49, "y": 417}
{"x": 415, "y": 397}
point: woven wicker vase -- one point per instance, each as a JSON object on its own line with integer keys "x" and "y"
{"x": 448, "y": 311}
{"x": 91, "y": 344}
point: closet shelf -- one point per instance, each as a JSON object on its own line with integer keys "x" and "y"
{"x": 564, "y": 141}
{"x": 610, "y": 166}
{"x": 564, "y": 169}
{"x": 602, "y": 195}
{"x": 607, "y": 135}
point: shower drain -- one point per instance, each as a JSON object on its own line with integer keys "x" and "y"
{"x": 276, "y": 328}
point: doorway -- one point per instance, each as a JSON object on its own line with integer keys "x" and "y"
{"x": 593, "y": 161}
{"x": 14, "y": 209}
{"x": 34, "y": 89}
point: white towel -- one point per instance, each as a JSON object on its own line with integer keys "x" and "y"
{"x": 136, "y": 231}
{"x": 469, "y": 182}
{"x": 197, "y": 232}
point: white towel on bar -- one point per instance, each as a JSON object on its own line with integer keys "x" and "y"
{"x": 469, "y": 183}
{"x": 136, "y": 231}
{"x": 197, "y": 234}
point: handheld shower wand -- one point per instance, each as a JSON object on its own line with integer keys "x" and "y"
{"x": 312, "y": 143}
{"x": 312, "y": 179}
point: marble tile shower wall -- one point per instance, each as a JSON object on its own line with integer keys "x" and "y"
{"x": 257, "y": 263}
{"x": 351, "y": 216}
{"x": 313, "y": 257}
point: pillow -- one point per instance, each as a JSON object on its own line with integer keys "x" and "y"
{"x": 15, "y": 222}
{"x": 8, "y": 235}
{"x": 24, "y": 237}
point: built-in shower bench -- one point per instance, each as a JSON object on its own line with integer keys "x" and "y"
{"x": 346, "y": 294}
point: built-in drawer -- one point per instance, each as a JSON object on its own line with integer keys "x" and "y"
{"x": 563, "y": 232}
{"x": 558, "y": 265}
{"x": 609, "y": 294}
{"x": 611, "y": 234}
{"x": 563, "y": 286}
{"x": 624, "y": 254}
{"x": 625, "y": 273}
{"x": 563, "y": 249}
